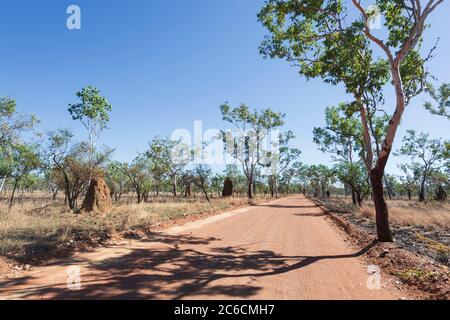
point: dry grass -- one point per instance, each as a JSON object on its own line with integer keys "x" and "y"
{"x": 412, "y": 275}
{"x": 414, "y": 213}
{"x": 33, "y": 227}
{"x": 401, "y": 212}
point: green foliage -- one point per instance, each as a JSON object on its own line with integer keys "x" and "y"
{"x": 25, "y": 158}
{"x": 354, "y": 174}
{"x": 278, "y": 161}
{"x": 158, "y": 173}
{"x": 71, "y": 164}
{"x": 338, "y": 54}
{"x": 256, "y": 120}
{"x": 7, "y": 107}
{"x": 428, "y": 156}
{"x": 12, "y": 147}
{"x": 116, "y": 179}
{"x": 321, "y": 39}
{"x": 342, "y": 134}
{"x": 92, "y": 110}
{"x": 342, "y": 137}
{"x": 313, "y": 35}
{"x": 420, "y": 146}
{"x": 12, "y": 123}
{"x": 298, "y": 31}
{"x": 441, "y": 96}
{"x": 237, "y": 177}
{"x": 204, "y": 173}
{"x": 300, "y": 171}
{"x": 396, "y": 21}
{"x": 321, "y": 178}
{"x": 409, "y": 178}
{"x": 283, "y": 154}
{"x": 6, "y": 161}
{"x": 438, "y": 179}
{"x": 391, "y": 184}
{"x": 30, "y": 181}
{"x": 202, "y": 178}
{"x": 246, "y": 142}
{"x": 217, "y": 181}
{"x": 138, "y": 175}
{"x": 169, "y": 155}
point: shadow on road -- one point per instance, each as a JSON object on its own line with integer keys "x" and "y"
{"x": 178, "y": 269}
{"x": 311, "y": 214}
{"x": 273, "y": 205}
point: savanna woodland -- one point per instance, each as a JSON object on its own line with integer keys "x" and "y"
{"x": 65, "y": 189}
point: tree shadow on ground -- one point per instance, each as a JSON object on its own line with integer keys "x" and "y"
{"x": 35, "y": 249}
{"x": 288, "y": 206}
{"x": 182, "y": 268}
{"x": 311, "y": 214}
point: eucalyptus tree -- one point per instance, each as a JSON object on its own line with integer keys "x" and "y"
{"x": 26, "y": 158}
{"x": 391, "y": 185}
{"x": 186, "y": 179}
{"x": 59, "y": 151}
{"x": 237, "y": 178}
{"x": 245, "y": 143}
{"x": 279, "y": 160}
{"x": 321, "y": 39}
{"x": 138, "y": 175}
{"x": 321, "y": 178}
{"x": 12, "y": 124}
{"x": 287, "y": 179}
{"x": 301, "y": 176}
{"x": 202, "y": 179}
{"x": 441, "y": 100}
{"x": 30, "y": 183}
{"x": 93, "y": 113}
{"x": 116, "y": 180}
{"x": 217, "y": 182}
{"x": 48, "y": 178}
{"x": 428, "y": 154}
{"x": 342, "y": 138}
{"x": 158, "y": 176}
{"x": 354, "y": 175}
{"x": 408, "y": 179}
{"x": 72, "y": 164}
{"x": 171, "y": 156}
{"x": 6, "y": 164}
{"x": 440, "y": 181}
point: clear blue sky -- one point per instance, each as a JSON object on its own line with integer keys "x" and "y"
{"x": 165, "y": 64}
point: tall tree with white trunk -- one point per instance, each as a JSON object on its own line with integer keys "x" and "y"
{"x": 323, "y": 40}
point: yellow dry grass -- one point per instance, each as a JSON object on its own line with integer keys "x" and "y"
{"x": 33, "y": 227}
{"x": 413, "y": 213}
{"x": 401, "y": 212}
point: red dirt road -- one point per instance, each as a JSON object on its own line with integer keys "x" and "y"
{"x": 286, "y": 249}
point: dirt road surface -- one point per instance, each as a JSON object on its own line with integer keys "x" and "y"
{"x": 285, "y": 249}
